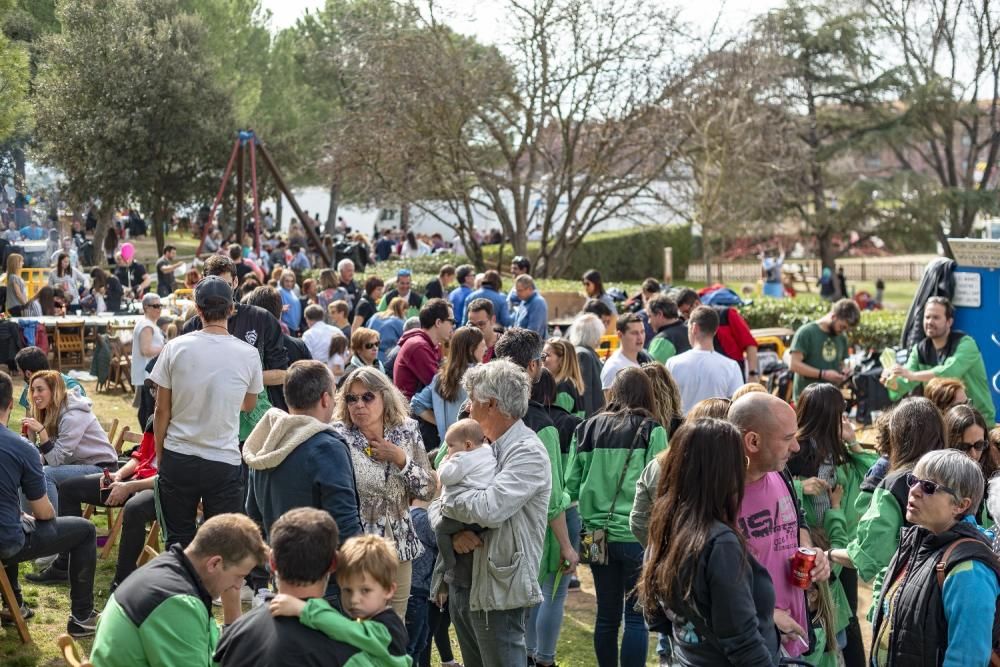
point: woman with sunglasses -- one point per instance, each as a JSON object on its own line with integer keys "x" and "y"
{"x": 364, "y": 350}
{"x": 967, "y": 433}
{"x": 926, "y": 617}
{"x": 915, "y": 428}
{"x": 147, "y": 341}
{"x": 593, "y": 285}
{"x": 828, "y": 473}
{"x": 440, "y": 402}
{"x": 390, "y": 465}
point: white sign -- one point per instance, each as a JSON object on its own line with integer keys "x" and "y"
{"x": 968, "y": 290}
{"x": 979, "y": 253}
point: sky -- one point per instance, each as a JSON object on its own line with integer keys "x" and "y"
{"x": 483, "y": 18}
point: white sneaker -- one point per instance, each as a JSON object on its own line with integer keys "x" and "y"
{"x": 45, "y": 561}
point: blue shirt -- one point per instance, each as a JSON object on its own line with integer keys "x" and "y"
{"x": 389, "y": 330}
{"x": 383, "y": 249}
{"x": 20, "y": 470}
{"x": 457, "y": 299}
{"x": 533, "y": 313}
{"x": 293, "y": 316}
{"x": 497, "y": 299}
{"x": 970, "y": 596}
{"x": 33, "y": 233}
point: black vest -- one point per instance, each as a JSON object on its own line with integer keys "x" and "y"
{"x": 928, "y": 356}
{"x": 919, "y": 635}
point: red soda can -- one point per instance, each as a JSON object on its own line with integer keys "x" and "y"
{"x": 802, "y": 565}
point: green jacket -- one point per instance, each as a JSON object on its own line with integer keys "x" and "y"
{"x": 597, "y": 457}
{"x": 661, "y": 349}
{"x": 161, "y": 617}
{"x": 371, "y": 637}
{"x": 965, "y": 364}
{"x": 538, "y": 420}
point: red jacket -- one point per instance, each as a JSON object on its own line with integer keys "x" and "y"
{"x": 416, "y": 363}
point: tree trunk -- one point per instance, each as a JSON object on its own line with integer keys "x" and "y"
{"x": 160, "y": 218}
{"x": 404, "y": 217}
{"x": 827, "y": 256}
{"x": 20, "y": 177}
{"x": 105, "y": 223}
{"x": 475, "y": 252}
{"x": 331, "y": 213}
{"x": 277, "y": 211}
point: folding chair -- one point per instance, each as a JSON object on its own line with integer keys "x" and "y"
{"x": 10, "y": 600}
{"x": 151, "y": 549}
{"x": 69, "y": 343}
{"x": 71, "y": 652}
{"x": 116, "y": 515}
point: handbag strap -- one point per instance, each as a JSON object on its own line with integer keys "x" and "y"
{"x": 621, "y": 478}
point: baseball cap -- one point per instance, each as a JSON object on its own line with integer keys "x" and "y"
{"x": 403, "y": 273}
{"x": 212, "y": 291}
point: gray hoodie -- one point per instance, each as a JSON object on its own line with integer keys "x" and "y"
{"x": 81, "y": 440}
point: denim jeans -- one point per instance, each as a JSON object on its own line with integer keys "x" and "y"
{"x": 614, "y": 584}
{"x": 72, "y": 534}
{"x": 417, "y": 627}
{"x": 139, "y": 509}
{"x": 545, "y": 620}
{"x": 487, "y": 638}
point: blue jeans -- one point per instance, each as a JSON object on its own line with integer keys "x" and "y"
{"x": 56, "y": 475}
{"x": 487, "y": 638}
{"x": 545, "y": 620}
{"x": 614, "y": 584}
{"x": 416, "y": 625}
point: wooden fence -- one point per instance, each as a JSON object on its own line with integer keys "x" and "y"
{"x": 908, "y": 269}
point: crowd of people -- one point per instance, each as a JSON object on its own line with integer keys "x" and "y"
{"x": 372, "y": 466}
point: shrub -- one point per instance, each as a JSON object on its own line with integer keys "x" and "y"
{"x": 878, "y": 328}
{"x": 628, "y": 254}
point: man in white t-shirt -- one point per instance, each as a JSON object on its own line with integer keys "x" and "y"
{"x": 319, "y": 334}
{"x": 701, "y": 372}
{"x": 204, "y": 379}
{"x": 631, "y": 336}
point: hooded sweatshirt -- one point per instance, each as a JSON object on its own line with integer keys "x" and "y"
{"x": 81, "y": 440}
{"x": 297, "y": 461}
{"x": 416, "y": 363}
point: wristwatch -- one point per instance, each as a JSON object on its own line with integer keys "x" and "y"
{"x": 752, "y": 373}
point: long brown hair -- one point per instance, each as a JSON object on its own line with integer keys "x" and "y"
{"x": 631, "y": 392}
{"x": 569, "y": 365}
{"x": 666, "y": 394}
{"x": 702, "y": 482}
{"x": 915, "y": 428}
{"x": 461, "y": 355}
{"x": 962, "y": 417}
{"x": 49, "y": 417}
{"x": 820, "y": 412}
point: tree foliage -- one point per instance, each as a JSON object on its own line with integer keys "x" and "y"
{"x": 138, "y": 117}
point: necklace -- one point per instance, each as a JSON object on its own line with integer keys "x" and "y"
{"x": 215, "y": 326}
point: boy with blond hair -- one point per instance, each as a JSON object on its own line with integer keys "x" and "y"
{"x": 366, "y": 573}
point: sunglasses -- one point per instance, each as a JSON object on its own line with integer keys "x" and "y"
{"x": 158, "y": 306}
{"x": 978, "y": 446}
{"x": 927, "y": 486}
{"x": 367, "y": 397}
{"x": 542, "y": 357}
{"x": 371, "y": 346}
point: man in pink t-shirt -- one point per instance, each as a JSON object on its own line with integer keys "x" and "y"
{"x": 770, "y": 517}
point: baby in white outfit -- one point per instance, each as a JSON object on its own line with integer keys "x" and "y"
{"x": 469, "y": 466}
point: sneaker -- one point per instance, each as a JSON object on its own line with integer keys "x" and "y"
{"x": 7, "y": 617}
{"x": 45, "y": 561}
{"x": 49, "y": 575}
{"x": 84, "y": 628}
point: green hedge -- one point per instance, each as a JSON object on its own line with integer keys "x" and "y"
{"x": 878, "y": 328}
{"x": 628, "y": 254}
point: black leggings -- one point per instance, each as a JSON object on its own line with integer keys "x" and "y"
{"x": 439, "y": 621}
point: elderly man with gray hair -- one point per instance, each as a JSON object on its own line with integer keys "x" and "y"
{"x": 495, "y": 580}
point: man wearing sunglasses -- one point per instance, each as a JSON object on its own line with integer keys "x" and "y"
{"x": 147, "y": 341}
{"x": 945, "y": 352}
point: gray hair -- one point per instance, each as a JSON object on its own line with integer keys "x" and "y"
{"x": 411, "y": 323}
{"x": 993, "y": 498}
{"x": 502, "y": 381}
{"x": 344, "y": 263}
{"x": 524, "y": 280}
{"x": 955, "y": 470}
{"x": 586, "y": 330}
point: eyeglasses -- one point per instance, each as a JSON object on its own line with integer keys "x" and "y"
{"x": 450, "y": 320}
{"x": 927, "y": 486}
{"x": 366, "y": 397}
{"x": 978, "y": 446}
{"x": 158, "y": 306}
{"x": 542, "y": 357}
{"x": 371, "y": 346}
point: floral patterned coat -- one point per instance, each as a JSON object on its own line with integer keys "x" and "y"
{"x": 385, "y": 490}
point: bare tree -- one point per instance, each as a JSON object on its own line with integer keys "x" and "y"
{"x": 946, "y": 128}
